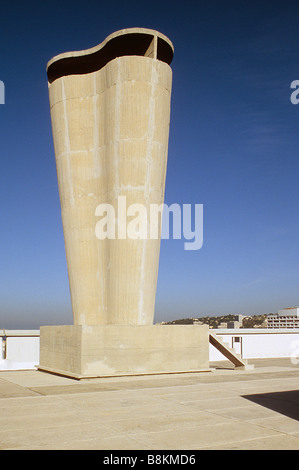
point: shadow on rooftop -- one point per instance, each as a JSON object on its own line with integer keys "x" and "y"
{"x": 286, "y": 403}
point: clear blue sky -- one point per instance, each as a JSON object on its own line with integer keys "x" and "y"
{"x": 233, "y": 147}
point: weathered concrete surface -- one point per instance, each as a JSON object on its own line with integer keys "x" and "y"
{"x": 114, "y": 350}
{"x": 110, "y": 130}
{"x": 225, "y": 409}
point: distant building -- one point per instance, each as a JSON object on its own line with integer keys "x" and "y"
{"x": 285, "y": 318}
{"x": 233, "y": 324}
{"x": 289, "y": 311}
{"x": 236, "y": 323}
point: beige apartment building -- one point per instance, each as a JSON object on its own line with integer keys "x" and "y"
{"x": 285, "y": 318}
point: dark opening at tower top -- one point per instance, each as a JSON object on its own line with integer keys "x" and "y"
{"x": 133, "y": 41}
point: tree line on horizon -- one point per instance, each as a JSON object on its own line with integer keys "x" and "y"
{"x": 249, "y": 321}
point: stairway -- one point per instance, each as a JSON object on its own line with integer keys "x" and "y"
{"x": 228, "y": 352}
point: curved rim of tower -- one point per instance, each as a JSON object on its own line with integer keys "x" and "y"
{"x": 130, "y": 41}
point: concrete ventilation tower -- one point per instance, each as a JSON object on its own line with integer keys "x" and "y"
{"x": 110, "y": 112}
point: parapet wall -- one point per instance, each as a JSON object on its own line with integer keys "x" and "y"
{"x": 20, "y": 348}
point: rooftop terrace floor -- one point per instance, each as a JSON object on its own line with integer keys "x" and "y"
{"x": 223, "y": 409}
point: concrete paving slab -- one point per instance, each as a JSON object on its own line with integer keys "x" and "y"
{"x": 279, "y": 423}
{"x": 224, "y": 409}
{"x": 245, "y": 413}
{"x": 9, "y": 389}
{"x": 280, "y": 442}
{"x": 208, "y": 435}
{"x": 23, "y": 410}
{"x": 51, "y": 436}
{"x": 178, "y": 422}
{"x": 30, "y": 378}
{"x": 105, "y": 443}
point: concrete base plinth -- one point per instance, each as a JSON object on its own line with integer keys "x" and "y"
{"x": 116, "y": 350}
